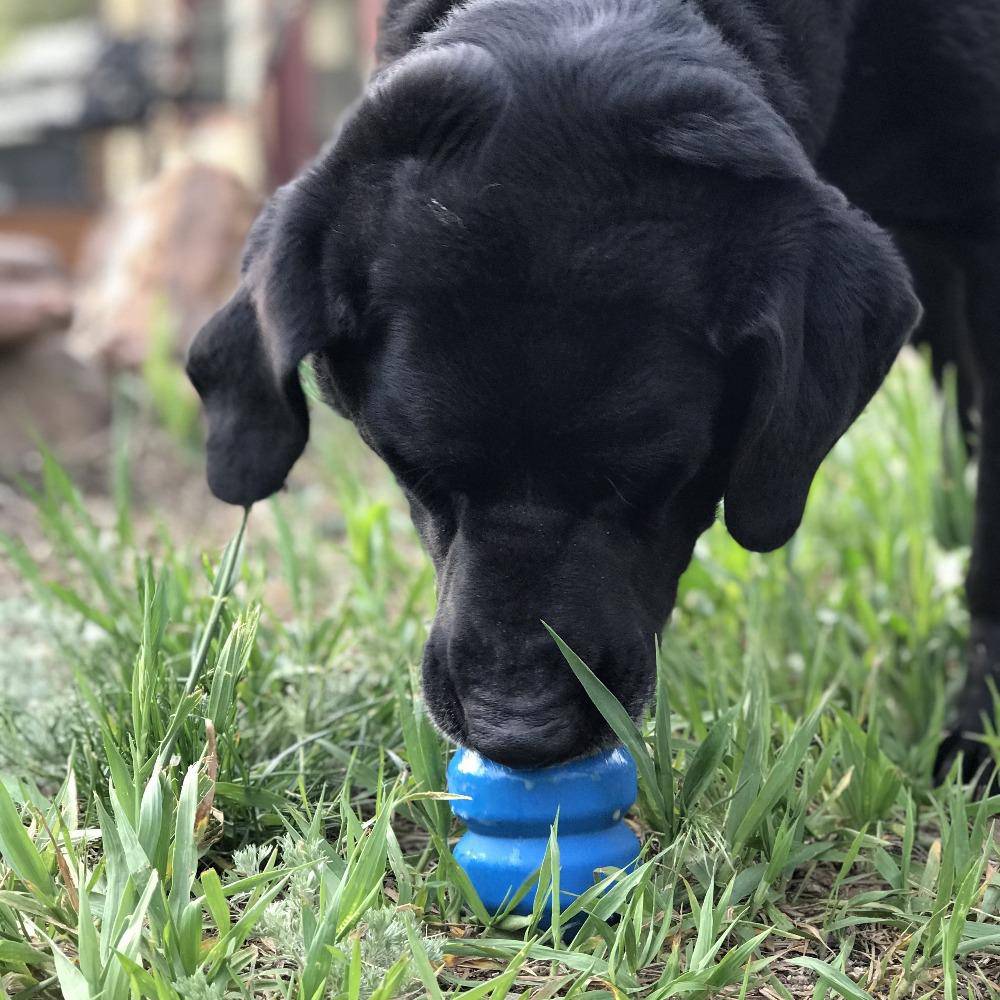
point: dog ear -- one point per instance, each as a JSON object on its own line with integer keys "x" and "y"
{"x": 825, "y": 341}
{"x": 305, "y": 262}
{"x": 244, "y": 361}
{"x": 708, "y": 118}
{"x": 258, "y": 422}
{"x": 433, "y": 100}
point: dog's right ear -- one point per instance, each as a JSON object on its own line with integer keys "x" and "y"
{"x": 258, "y": 422}
{"x": 305, "y": 277}
{"x": 244, "y": 364}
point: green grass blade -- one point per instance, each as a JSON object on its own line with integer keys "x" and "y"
{"x": 19, "y": 851}
{"x": 781, "y": 777}
{"x": 833, "y": 978}
{"x": 72, "y": 984}
{"x": 705, "y": 762}
{"x": 185, "y": 856}
{"x": 421, "y": 962}
{"x": 663, "y": 750}
{"x": 621, "y": 724}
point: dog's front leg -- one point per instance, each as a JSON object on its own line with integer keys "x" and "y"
{"x": 982, "y": 268}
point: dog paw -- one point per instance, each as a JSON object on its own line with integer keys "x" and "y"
{"x": 977, "y": 763}
{"x": 975, "y": 706}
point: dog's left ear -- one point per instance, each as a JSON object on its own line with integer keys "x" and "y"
{"x": 818, "y": 324}
{"x": 707, "y": 118}
{"x": 821, "y": 342}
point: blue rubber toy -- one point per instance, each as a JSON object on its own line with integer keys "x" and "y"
{"x": 509, "y": 814}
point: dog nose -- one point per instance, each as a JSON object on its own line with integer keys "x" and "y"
{"x": 521, "y": 741}
{"x": 533, "y": 727}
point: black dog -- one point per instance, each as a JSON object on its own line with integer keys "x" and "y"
{"x": 580, "y": 269}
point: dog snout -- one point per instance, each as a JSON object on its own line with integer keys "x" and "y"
{"x": 494, "y": 679}
{"x": 514, "y": 699}
{"x": 532, "y": 737}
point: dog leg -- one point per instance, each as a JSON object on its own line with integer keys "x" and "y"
{"x": 939, "y": 279}
{"x": 983, "y": 582}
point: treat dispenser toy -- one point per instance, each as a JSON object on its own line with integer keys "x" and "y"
{"x": 509, "y": 814}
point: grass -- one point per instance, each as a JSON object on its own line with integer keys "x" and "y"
{"x": 207, "y": 798}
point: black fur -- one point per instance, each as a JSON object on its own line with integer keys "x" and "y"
{"x": 577, "y": 270}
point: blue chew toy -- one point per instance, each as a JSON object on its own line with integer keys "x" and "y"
{"x": 509, "y": 814}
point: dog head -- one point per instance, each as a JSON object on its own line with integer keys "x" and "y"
{"x": 572, "y": 312}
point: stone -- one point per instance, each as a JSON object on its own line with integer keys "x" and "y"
{"x": 162, "y": 264}
{"x": 35, "y": 293}
{"x": 47, "y": 394}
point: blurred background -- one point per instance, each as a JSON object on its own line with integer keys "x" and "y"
{"x": 138, "y": 139}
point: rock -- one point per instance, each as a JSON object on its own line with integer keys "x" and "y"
{"x": 35, "y": 295}
{"x": 162, "y": 264}
{"x": 44, "y": 391}
{"x": 26, "y": 257}
{"x": 48, "y": 393}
